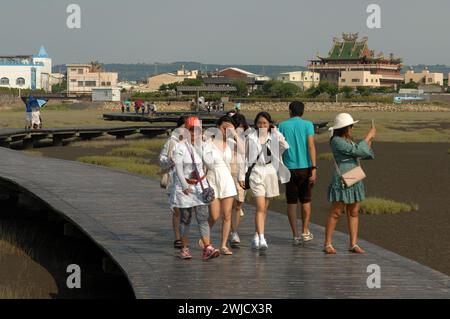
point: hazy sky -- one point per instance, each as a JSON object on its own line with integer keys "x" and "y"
{"x": 221, "y": 31}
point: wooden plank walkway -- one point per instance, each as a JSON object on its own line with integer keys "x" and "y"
{"x": 127, "y": 216}
{"x": 58, "y": 135}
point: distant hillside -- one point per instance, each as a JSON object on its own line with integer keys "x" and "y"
{"x": 141, "y": 71}
{"x": 133, "y": 72}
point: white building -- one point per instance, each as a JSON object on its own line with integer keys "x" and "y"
{"x": 105, "y": 94}
{"x": 26, "y": 71}
{"x": 303, "y": 79}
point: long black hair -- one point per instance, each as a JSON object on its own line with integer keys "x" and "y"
{"x": 340, "y": 132}
{"x": 181, "y": 120}
{"x": 240, "y": 120}
{"x": 225, "y": 119}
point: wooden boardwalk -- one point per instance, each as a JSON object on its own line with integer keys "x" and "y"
{"x": 127, "y": 216}
{"x": 58, "y": 135}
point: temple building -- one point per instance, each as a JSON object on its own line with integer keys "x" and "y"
{"x": 350, "y": 62}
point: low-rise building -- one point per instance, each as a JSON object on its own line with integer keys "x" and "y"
{"x": 106, "y": 94}
{"x": 57, "y": 78}
{"x": 425, "y": 77}
{"x": 303, "y": 79}
{"x": 82, "y": 78}
{"x": 155, "y": 82}
{"x": 26, "y": 71}
{"x": 236, "y": 73}
{"x": 359, "y": 78}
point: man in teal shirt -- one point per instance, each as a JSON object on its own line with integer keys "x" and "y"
{"x": 300, "y": 159}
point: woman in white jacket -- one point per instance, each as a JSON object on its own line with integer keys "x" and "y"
{"x": 168, "y": 166}
{"x": 264, "y": 149}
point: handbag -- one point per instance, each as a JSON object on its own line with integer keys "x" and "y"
{"x": 351, "y": 177}
{"x": 208, "y": 193}
{"x": 249, "y": 172}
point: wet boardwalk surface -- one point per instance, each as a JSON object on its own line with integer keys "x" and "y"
{"x": 127, "y": 216}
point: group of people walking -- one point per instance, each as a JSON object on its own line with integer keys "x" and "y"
{"x": 140, "y": 106}
{"x": 208, "y": 173}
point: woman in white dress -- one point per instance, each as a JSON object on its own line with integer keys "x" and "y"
{"x": 217, "y": 155}
{"x": 264, "y": 149}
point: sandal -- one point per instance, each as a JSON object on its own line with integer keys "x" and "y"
{"x": 356, "y": 249}
{"x": 177, "y": 244}
{"x": 329, "y": 250}
{"x": 225, "y": 251}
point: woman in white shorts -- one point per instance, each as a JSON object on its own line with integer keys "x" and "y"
{"x": 217, "y": 156}
{"x": 264, "y": 149}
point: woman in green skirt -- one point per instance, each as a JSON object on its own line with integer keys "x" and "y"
{"x": 347, "y": 155}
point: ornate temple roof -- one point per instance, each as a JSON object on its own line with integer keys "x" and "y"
{"x": 350, "y": 47}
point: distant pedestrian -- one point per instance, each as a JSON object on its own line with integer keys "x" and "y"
{"x": 300, "y": 158}
{"x": 345, "y": 198}
{"x": 237, "y": 107}
{"x": 28, "y": 114}
{"x": 122, "y": 106}
{"x": 128, "y": 105}
{"x": 36, "y": 117}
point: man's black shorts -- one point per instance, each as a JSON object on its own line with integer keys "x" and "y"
{"x": 299, "y": 187}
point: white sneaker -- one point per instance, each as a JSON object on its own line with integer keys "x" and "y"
{"x": 263, "y": 244}
{"x": 297, "y": 241}
{"x": 234, "y": 239}
{"x": 307, "y": 237}
{"x": 255, "y": 243}
{"x": 241, "y": 213}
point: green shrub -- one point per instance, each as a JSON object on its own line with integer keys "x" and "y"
{"x": 131, "y": 152}
{"x": 134, "y": 165}
{"x": 380, "y": 206}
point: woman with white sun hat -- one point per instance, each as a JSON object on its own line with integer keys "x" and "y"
{"x": 342, "y": 195}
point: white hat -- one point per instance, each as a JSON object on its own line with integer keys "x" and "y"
{"x": 342, "y": 120}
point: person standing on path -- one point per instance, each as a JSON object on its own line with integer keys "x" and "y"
{"x": 300, "y": 159}
{"x": 346, "y": 156}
